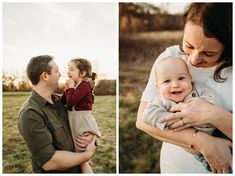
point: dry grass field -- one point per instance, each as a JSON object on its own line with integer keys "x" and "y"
{"x": 16, "y": 158}
{"x": 138, "y": 152}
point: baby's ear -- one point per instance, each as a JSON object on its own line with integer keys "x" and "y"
{"x": 157, "y": 86}
{"x": 190, "y": 76}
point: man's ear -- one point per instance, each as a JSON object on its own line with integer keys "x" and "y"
{"x": 44, "y": 76}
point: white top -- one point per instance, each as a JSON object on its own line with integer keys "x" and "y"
{"x": 173, "y": 158}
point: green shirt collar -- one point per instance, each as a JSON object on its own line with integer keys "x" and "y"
{"x": 42, "y": 101}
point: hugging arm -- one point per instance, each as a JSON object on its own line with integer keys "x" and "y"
{"x": 196, "y": 111}
{"x": 203, "y": 110}
{"x": 166, "y": 135}
{"x": 215, "y": 150}
{"x": 62, "y": 160}
{"x": 40, "y": 142}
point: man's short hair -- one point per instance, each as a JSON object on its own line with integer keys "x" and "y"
{"x": 36, "y": 66}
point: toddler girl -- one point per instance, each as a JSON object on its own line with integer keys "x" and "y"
{"x": 78, "y": 96}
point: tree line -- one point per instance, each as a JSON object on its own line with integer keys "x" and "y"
{"x": 142, "y": 17}
{"x": 14, "y": 83}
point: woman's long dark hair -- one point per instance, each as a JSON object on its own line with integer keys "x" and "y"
{"x": 216, "y": 21}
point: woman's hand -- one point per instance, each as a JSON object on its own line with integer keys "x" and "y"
{"x": 194, "y": 112}
{"x": 216, "y": 151}
{"x": 81, "y": 141}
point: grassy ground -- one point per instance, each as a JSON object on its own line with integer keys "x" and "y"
{"x": 138, "y": 152}
{"x": 16, "y": 157}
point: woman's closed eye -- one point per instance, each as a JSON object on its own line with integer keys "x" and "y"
{"x": 189, "y": 46}
{"x": 209, "y": 54}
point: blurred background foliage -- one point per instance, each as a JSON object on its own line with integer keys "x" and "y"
{"x": 139, "y": 17}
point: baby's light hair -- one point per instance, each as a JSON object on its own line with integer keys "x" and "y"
{"x": 175, "y": 58}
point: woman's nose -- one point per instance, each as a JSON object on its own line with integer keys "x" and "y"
{"x": 195, "y": 58}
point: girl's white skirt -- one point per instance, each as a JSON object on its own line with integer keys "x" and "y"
{"x": 82, "y": 121}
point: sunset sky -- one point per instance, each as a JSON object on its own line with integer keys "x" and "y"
{"x": 63, "y": 30}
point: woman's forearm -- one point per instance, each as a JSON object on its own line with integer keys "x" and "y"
{"x": 182, "y": 138}
{"x": 223, "y": 121}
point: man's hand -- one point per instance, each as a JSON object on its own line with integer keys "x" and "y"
{"x": 91, "y": 147}
{"x": 81, "y": 141}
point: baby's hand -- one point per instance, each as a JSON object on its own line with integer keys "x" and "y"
{"x": 70, "y": 83}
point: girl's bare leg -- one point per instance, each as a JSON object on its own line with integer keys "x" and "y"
{"x": 86, "y": 168}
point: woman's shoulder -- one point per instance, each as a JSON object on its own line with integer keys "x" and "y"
{"x": 174, "y": 50}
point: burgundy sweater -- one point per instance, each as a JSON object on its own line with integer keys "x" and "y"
{"x": 81, "y": 98}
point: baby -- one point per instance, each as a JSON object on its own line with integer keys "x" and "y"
{"x": 174, "y": 85}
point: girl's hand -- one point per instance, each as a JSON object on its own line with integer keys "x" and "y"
{"x": 194, "y": 112}
{"x": 216, "y": 151}
{"x": 70, "y": 83}
{"x": 66, "y": 86}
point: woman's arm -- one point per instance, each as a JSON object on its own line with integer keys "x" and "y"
{"x": 215, "y": 150}
{"x": 197, "y": 111}
{"x": 223, "y": 121}
{"x": 182, "y": 138}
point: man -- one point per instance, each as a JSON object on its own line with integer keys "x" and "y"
{"x": 43, "y": 123}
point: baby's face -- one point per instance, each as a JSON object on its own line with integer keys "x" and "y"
{"x": 173, "y": 80}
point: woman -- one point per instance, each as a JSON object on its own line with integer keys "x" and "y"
{"x": 207, "y": 49}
